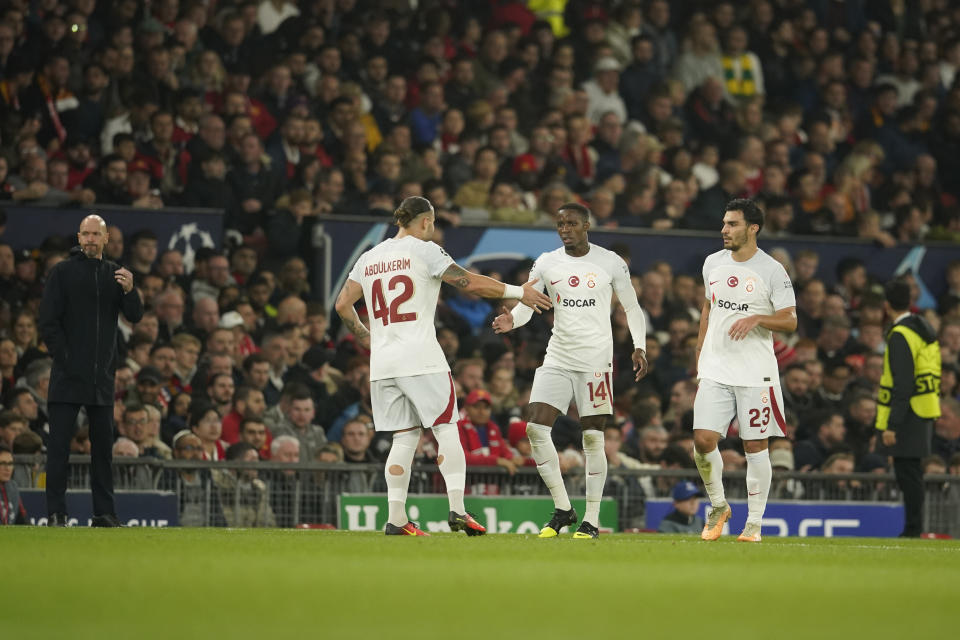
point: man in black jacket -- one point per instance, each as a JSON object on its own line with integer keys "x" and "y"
{"x": 82, "y": 299}
{"x": 908, "y": 400}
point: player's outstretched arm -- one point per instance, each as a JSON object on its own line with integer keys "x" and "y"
{"x": 528, "y": 294}
{"x": 351, "y": 292}
{"x": 783, "y": 321}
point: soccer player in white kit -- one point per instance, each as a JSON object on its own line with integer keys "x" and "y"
{"x": 410, "y": 382}
{"x": 749, "y": 296}
{"x": 581, "y": 279}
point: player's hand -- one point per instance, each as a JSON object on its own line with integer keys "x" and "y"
{"x": 640, "y": 365}
{"x": 503, "y": 322}
{"x": 889, "y": 438}
{"x": 742, "y": 327}
{"x": 533, "y": 298}
{"x": 124, "y": 278}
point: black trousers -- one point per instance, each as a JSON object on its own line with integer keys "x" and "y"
{"x": 910, "y": 480}
{"x": 63, "y": 425}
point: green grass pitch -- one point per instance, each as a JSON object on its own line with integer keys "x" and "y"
{"x": 196, "y": 583}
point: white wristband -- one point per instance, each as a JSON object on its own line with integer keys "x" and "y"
{"x": 512, "y": 292}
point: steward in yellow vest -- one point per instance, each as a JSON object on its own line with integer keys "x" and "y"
{"x": 919, "y": 392}
{"x": 909, "y": 399}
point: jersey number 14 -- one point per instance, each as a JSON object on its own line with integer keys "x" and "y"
{"x": 598, "y": 392}
{"x": 387, "y": 314}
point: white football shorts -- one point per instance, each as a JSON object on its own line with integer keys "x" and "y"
{"x": 759, "y": 410}
{"x": 411, "y": 401}
{"x": 556, "y": 387}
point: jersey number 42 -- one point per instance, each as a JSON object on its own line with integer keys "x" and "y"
{"x": 387, "y": 314}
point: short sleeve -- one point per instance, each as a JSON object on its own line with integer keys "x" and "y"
{"x": 436, "y": 259}
{"x": 781, "y": 288}
{"x": 355, "y": 272}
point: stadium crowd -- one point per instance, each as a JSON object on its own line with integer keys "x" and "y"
{"x": 842, "y": 119}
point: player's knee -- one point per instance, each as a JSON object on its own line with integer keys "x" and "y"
{"x": 593, "y": 423}
{"x": 704, "y": 441}
{"x": 592, "y": 440}
{"x": 754, "y": 446}
{"x": 537, "y": 433}
{"x": 530, "y": 413}
{"x": 541, "y": 413}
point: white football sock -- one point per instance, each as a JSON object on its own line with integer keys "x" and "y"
{"x": 548, "y": 463}
{"x": 710, "y": 466}
{"x": 452, "y": 463}
{"x": 596, "y": 470}
{"x": 397, "y": 473}
{"x": 759, "y": 475}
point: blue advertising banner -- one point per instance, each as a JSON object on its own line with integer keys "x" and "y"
{"x": 183, "y": 229}
{"x": 805, "y": 519}
{"x": 134, "y": 508}
{"x": 501, "y": 247}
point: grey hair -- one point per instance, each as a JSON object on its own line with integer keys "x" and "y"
{"x": 279, "y": 441}
{"x": 37, "y": 370}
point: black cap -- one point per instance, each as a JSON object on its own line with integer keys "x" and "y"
{"x": 149, "y": 374}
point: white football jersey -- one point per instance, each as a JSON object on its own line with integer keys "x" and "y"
{"x": 736, "y": 290}
{"x": 401, "y": 281}
{"x": 581, "y": 290}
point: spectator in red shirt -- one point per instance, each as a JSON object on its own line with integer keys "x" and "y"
{"x": 482, "y": 441}
{"x": 248, "y": 404}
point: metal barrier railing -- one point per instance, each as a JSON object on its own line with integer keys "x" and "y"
{"x": 285, "y": 495}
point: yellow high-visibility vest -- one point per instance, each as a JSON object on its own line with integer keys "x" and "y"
{"x": 925, "y": 400}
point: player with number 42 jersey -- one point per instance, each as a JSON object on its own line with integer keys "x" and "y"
{"x": 410, "y": 383}
{"x": 401, "y": 280}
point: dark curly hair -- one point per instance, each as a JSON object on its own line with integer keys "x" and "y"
{"x": 752, "y": 213}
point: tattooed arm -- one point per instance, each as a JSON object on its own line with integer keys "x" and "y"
{"x": 529, "y": 294}
{"x": 349, "y": 295}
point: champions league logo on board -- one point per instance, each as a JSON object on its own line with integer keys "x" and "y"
{"x": 187, "y": 240}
